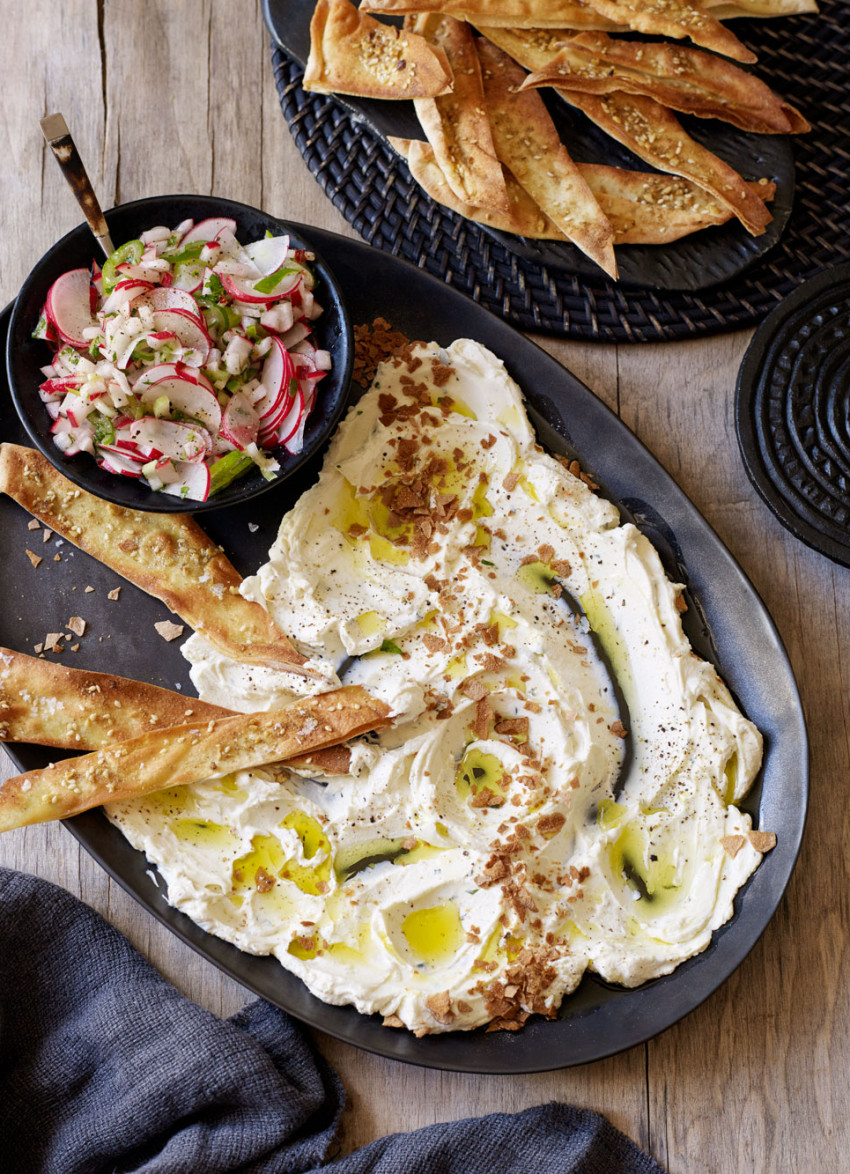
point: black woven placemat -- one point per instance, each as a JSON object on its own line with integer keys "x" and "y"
{"x": 805, "y": 58}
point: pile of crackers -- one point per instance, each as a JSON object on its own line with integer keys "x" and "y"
{"x": 474, "y": 68}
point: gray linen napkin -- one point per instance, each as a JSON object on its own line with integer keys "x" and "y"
{"x": 106, "y": 1069}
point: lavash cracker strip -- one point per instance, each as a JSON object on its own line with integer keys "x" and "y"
{"x": 188, "y": 753}
{"x": 534, "y": 14}
{"x": 655, "y": 135}
{"x": 167, "y": 555}
{"x": 527, "y": 142}
{"x": 352, "y": 53}
{"x": 456, "y": 125}
{"x": 681, "y": 78}
{"x": 48, "y": 704}
{"x": 643, "y": 208}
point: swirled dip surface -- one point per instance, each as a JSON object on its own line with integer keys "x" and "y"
{"x": 556, "y": 790}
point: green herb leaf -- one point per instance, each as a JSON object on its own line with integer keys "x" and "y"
{"x": 267, "y": 285}
{"x": 390, "y": 646}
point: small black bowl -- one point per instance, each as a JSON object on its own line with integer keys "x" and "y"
{"x": 25, "y": 356}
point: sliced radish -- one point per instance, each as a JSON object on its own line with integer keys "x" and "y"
{"x": 208, "y": 230}
{"x": 123, "y": 294}
{"x": 167, "y": 438}
{"x": 188, "y": 397}
{"x": 240, "y": 422}
{"x": 289, "y": 424}
{"x": 68, "y": 306}
{"x": 116, "y": 463}
{"x": 193, "y": 481}
{"x": 188, "y": 329}
{"x": 243, "y": 288}
{"x": 297, "y": 334}
{"x": 171, "y": 371}
{"x": 188, "y": 277}
{"x": 83, "y": 441}
{"x": 133, "y": 456}
{"x": 45, "y": 331}
{"x": 277, "y": 371}
{"x": 269, "y": 254}
{"x": 172, "y": 298}
{"x": 56, "y": 388}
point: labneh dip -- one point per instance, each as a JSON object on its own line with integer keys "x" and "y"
{"x": 559, "y": 789}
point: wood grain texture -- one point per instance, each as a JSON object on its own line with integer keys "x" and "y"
{"x": 179, "y": 97}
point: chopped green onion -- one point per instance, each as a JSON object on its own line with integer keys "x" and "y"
{"x": 390, "y": 646}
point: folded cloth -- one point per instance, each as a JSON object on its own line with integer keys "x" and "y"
{"x": 105, "y": 1069}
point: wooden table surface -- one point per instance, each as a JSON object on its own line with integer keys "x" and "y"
{"x": 168, "y": 96}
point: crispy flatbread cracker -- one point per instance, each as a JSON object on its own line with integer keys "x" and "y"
{"x": 677, "y": 76}
{"x": 527, "y": 142}
{"x": 655, "y": 135}
{"x": 649, "y": 209}
{"x": 729, "y": 9}
{"x": 643, "y": 208}
{"x": 185, "y": 754}
{"x": 71, "y": 709}
{"x": 352, "y": 53}
{"x": 456, "y": 125}
{"x": 48, "y": 704}
{"x": 167, "y": 555}
{"x": 677, "y": 19}
{"x": 531, "y": 14}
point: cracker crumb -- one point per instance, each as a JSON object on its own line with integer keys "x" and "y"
{"x": 38, "y": 648}
{"x": 32, "y": 524}
{"x": 169, "y": 631}
{"x": 440, "y": 1007}
{"x": 46, "y": 535}
{"x": 57, "y": 559}
{"x": 77, "y": 625}
{"x": 392, "y": 1021}
{"x": 89, "y": 590}
{"x": 762, "y": 841}
{"x": 114, "y": 593}
{"x": 34, "y": 558}
{"x": 732, "y": 845}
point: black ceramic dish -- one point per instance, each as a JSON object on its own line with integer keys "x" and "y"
{"x": 792, "y": 411}
{"x": 25, "y": 356}
{"x": 700, "y": 261}
{"x": 726, "y": 623}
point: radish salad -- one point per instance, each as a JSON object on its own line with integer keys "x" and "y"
{"x": 186, "y": 358}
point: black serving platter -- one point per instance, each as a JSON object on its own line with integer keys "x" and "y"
{"x": 25, "y": 355}
{"x": 726, "y": 623}
{"x": 705, "y": 259}
{"x": 792, "y": 412}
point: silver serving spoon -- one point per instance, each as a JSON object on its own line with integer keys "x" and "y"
{"x": 58, "y": 138}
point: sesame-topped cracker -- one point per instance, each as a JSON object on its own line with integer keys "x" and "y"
{"x": 456, "y": 124}
{"x": 167, "y": 555}
{"x": 352, "y": 53}
{"x": 655, "y": 135}
{"x": 534, "y": 15}
{"x": 188, "y": 753}
{"x": 527, "y": 141}
{"x": 682, "y": 78}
